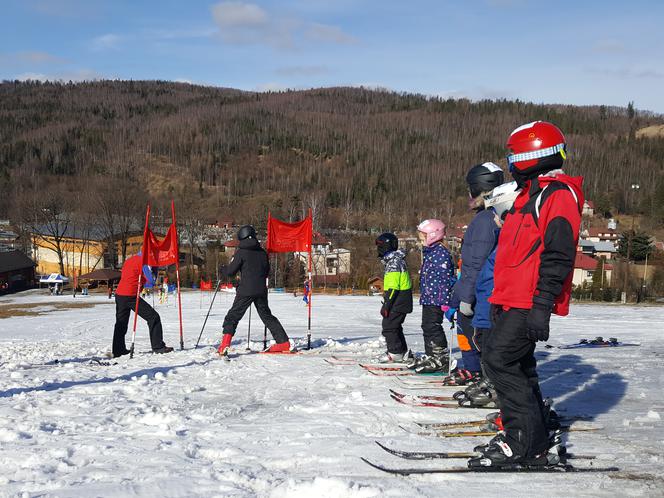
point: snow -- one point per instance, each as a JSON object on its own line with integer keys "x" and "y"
{"x": 190, "y": 424}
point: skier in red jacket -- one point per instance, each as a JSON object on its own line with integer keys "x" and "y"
{"x": 125, "y": 303}
{"x": 533, "y": 278}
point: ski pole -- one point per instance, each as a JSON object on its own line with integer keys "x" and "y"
{"x": 208, "y": 313}
{"x": 249, "y": 330}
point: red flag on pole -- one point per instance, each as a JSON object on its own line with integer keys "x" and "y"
{"x": 289, "y": 237}
{"x": 161, "y": 252}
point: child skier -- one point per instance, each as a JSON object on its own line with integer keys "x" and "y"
{"x": 532, "y": 280}
{"x": 252, "y": 263}
{"x": 436, "y": 277}
{"x": 397, "y": 298}
{"x": 478, "y": 241}
{"x": 499, "y": 201}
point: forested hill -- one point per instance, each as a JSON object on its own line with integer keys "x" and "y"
{"x": 362, "y": 158}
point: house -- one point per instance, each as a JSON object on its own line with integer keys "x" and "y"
{"x": 375, "y": 285}
{"x": 597, "y": 249}
{"x": 603, "y": 234}
{"x": 84, "y": 249}
{"x": 585, "y": 266}
{"x": 8, "y": 240}
{"x": 588, "y": 208}
{"x": 330, "y": 266}
{"x": 17, "y": 272}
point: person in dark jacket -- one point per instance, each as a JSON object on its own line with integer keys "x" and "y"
{"x": 478, "y": 241}
{"x": 499, "y": 201}
{"x": 125, "y": 303}
{"x": 436, "y": 278}
{"x": 252, "y": 263}
{"x": 532, "y": 280}
{"x": 397, "y": 298}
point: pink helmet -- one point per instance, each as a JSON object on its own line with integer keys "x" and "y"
{"x": 434, "y": 230}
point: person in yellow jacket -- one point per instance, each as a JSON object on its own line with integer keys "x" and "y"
{"x": 397, "y": 298}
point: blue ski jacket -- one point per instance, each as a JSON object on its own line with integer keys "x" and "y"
{"x": 436, "y": 276}
{"x": 478, "y": 241}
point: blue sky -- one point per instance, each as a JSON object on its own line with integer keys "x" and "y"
{"x": 574, "y": 52}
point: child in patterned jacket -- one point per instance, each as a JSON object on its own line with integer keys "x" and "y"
{"x": 436, "y": 281}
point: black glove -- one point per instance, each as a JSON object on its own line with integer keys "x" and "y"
{"x": 385, "y": 309}
{"x": 537, "y": 322}
{"x": 388, "y": 300}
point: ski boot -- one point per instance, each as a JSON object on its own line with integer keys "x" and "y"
{"x": 281, "y": 347}
{"x": 478, "y": 387}
{"x": 225, "y": 344}
{"x": 494, "y": 421}
{"x": 401, "y": 358}
{"x": 437, "y": 362}
{"x": 498, "y": 453}
{"x": 461, "y": 377}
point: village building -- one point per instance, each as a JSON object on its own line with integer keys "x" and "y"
{"x": 17, "y": 272}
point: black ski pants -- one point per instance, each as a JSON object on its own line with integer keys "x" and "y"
{"x": 124, "y": 305}
{"x": 393, "y": 332}
{"x": 239, "y": 308}
{"x": 432, "y": 328}
{"x": 508, "y": 356}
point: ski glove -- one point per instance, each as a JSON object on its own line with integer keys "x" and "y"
{"x": 466, "y": 309}
{"x": 537, "y": 322}
{"x": 388, "y": 300}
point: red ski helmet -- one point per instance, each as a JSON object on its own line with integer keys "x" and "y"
{"x": 530, "y": 144}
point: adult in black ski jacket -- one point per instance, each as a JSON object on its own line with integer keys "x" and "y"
{"x": 252, "y": 263}
{"x": 251, "y": 260}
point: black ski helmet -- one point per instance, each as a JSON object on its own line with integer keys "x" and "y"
{"x": 245, "y": 232}
{"x": 385, "y": 243}
{"x": 484, "y": 178}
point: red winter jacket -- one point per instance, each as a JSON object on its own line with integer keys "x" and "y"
{"x": 131, "y": 269}
{"x": 537, "y": 245}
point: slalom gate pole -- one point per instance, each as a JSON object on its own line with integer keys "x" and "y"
{"x": 140, "y": 277}
{"x": 208, "y": 313}
{"x": 177, "y": 273}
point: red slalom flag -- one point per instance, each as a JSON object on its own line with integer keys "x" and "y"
{"x": 289, "y": 237}
{"x": 160, "y": 252}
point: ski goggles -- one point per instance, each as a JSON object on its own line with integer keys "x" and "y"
{"x": 535, "y": 154}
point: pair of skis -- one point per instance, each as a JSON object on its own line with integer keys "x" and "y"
{"x": 435, "y": 401}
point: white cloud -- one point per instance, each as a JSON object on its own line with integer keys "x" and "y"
{"x": 75, "y": 75}
{"x": 239, "y": 15}
{"x": 329, "y": 34}
{"x": 627, "y": 73}
{"x": 38, "y": 57}
{"x": 271, "y": 87}
{"x": 106, "y": 42}
{"x": 609, "y": 47}
{"x": 244, "y": 23}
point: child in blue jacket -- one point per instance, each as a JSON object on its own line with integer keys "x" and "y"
{"x": 436, "y": 278}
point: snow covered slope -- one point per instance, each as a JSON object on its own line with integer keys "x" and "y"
{"x": 190, "y": 424}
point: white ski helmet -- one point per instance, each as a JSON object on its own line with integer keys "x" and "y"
{"x": 502, "y": 198}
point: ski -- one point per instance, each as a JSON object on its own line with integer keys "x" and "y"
{"x": 383, "y": 368}
{"x": 476, "y": 423}
{"x": 421, "y": 397}
{"x": 441, "y": 404}
{"x": 557, "y": 468}
{"x": 404, "y": 372}
{"x": 435, "y": 455}
{"x": 489, "y": 432}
